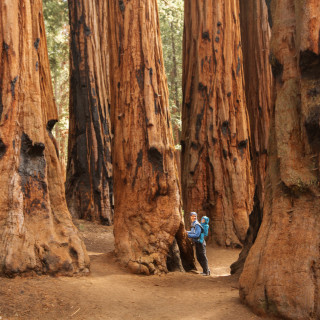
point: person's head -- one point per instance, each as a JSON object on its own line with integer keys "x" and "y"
{"x": 193, "y": 216}
{"x": 204, "y": 220}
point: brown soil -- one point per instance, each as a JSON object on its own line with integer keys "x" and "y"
{"x": 109, "y": 292}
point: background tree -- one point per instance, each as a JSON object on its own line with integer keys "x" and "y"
{"x": 89, "y": 170}
{"x": 147, "y": 196}
{"x": 56, "y": 19}
{"x": 255, "y": 33}
{"x": 281, "y": 273}
{"x": 37, "y": 234}
{"x": 216, "y": 170}
{"x": 171, "y": 26}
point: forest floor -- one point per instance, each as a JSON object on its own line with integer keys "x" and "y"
{"x": 109, "y": 292}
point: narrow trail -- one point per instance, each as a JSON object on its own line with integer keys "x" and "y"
{"x": 109, "y": 292}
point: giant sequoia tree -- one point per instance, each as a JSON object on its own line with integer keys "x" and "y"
{"x": 147, "y": 195}
{"x": 281, "y": 274}
{"x": 36, "y": 231}
{"x": 89, "y": 170}
{"x": 255, "y": 33}
{"x": 216, "y": 170}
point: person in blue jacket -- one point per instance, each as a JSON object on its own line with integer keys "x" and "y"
{"x": 195, "y": 234}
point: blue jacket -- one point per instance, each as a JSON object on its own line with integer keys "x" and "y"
{"x": 195, "y": 231}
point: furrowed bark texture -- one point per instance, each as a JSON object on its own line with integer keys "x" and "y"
{"x": 216, "y": 171}
{"x": 89, "y": 170}
{"x": 36, "y": 230}
{"x": 281, "y": 275}
{"x": 255, "y": 33}
{"x": 147, "y": 196}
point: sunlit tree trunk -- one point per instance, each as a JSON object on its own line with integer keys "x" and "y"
{"x": 216, "y": 171}
{"x": 281, "y": 275}
{"x": 36, "y": 230}
{"x": 147, "y": 196}
{"x": 255, "y": 32}
{"x": 89, "y": 169}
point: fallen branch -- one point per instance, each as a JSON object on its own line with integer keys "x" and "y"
{"x": 75, "y": 312}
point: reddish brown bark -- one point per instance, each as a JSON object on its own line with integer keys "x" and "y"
{"x": 255, "y": 33}
{"x": 89, "y": 170}
{"x": 216, "y": 170}
{"x": 281, "y": 273}
{"x": 147, "y": 196}
{"x": 36, "y": 230}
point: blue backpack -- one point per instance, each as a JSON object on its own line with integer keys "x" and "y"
{"x": 204, "y": 228}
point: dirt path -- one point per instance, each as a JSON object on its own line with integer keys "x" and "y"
{"x": 111, "y": 293}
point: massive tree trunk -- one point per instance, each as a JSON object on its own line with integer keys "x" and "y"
{"x": 216, "y": 171}
{"x": 281, "y": 275}
{"x": 147, "y": 196}
{"x": 255, "y": 33}
{"x": 36, "y": 230}
{"x": 89, "y": 170}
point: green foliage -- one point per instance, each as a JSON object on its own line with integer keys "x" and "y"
{"x": 57, "y": 30}
{"x": 171, "y": 25}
